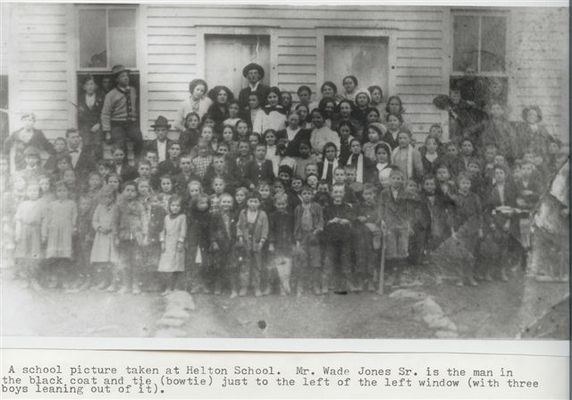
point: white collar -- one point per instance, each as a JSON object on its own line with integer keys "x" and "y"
{"x": 253, "y": 88}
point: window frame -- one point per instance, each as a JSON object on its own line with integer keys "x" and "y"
{"x": 107, "y": 7}
{"x": 480, "y": 14}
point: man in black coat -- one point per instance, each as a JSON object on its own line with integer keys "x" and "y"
{"x": 254, "y": 73}
{"x": 82, "y": 159}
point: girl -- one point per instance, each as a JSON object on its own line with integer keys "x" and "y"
{"x": 350, "y": 84}
{"x": 253, "y": 140}
{"x": 328, "y": 107}
{"x": 395, "y": 107}
{"x": 407, "y": 159}
{"x": 274, "y": 114}
{"x": 197, "y": 103}
{"x": 467, "y": 223}
{"x": 129, "y": 226}
{"x": 359, "y": 162}
{"x": 229, "y": 138}
{"x": 166, "y": 190}
{"x": 312, "y": 182}
{"x": 294, "y": 134}
{"x": 429, "y": 155}
{"x": 344, "y": 114}
{"x": 233, "y": 113}
{"x": 445, "y": 185}
{"x": 394, "y": 123}
{"x": 256, "y": 114}
{"x": 304, "y": 95}
{"x": 304, "y": 158}
{"x": 103, "y": 252}
{"x": 376, "y": 94}
{"x": 69, "y": 178}
{"x": 374, "y": 132}
{"x": 329, "y": 164}
{"x": 281, "y": 227}
{"x": 286, "y": 101}
{"x": 303, "y": 111}
{"x": 240, "y": 200}
{"x": 218, "y": 111}
{"x": 269, "y": 138}
{"x": 373, "y": 116}
{"x": 346, "y": 136}
{"x": 321, "y": 134}
{"x": 329, "y": 90}
{"x": 28, "y": 221}
{"x": 63, "y": 163}
{"x": 242, "y": 130}
{"x": 190, "y": 135}
{"x": 114, "y": 181}
{"x": 359, "y": 113}
{"x": 252, "y": 234}
{"x": 58, "y": 229}
{"x": 382, "y": 165}
{"x": 173, "y": 236}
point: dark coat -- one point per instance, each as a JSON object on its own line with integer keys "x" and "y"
{"x": 127, "y": 172}
{"x": 218, "y": 233}
{"x": 38, "y": 140}
{"x": 85, "y": 164}
{"x": 259, "y": 172}
{"x": 262, "y": 92}
{"x": 152, "y": 146}
{"x": 303, "y": 135}
{"x": 87, "y": 116}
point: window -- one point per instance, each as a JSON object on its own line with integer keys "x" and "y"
{"x": 479, "y": 44}
{"x": 107, "y": 36}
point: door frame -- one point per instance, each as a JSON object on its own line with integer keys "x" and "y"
{"x": 202, "y": 31}
{"x": 389, "y": 34}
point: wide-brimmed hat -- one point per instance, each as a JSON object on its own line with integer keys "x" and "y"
{"x": 117, "y": 69}
{"x": 161, "y": 122}
{"x": 253, "y": 66}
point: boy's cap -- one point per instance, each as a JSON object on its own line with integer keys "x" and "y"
{"x": 117, "y": 69}
{"x": 252, "y": 66}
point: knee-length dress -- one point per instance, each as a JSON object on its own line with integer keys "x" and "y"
{"x": 174, "y": 232}
{"x": 29, "y": 216}
{"x": 103, "y": 249}
{"x": 61, "y": 217}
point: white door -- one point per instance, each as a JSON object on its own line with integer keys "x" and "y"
{"x": 226, "y": 55}
{"x": 364, "y": 57}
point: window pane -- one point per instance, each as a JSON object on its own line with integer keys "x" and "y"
{"x": 122, "y": 38}
{"x": 92, "y": 40}
{"x": 493, "y": 47}
{"x": 465, "y": 42}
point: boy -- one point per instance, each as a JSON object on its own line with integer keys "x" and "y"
{"x": 340, "y": 179}
{"x": 252, "y": 234}
{"x": 303, "y": 160}
{"x": 171, "y": 166}
{"x": 223, "y": 238}
{"x": 308, "y": 223}
{"x": 338, "y": 218}
{"x": 259, "y": 169}
{"x": 368, "y": 240}
{"x": 281, "y": 244}
{"x": 121, "y": 167}
{"x": 203, "y": 160}
{"x": 395, "y": 221}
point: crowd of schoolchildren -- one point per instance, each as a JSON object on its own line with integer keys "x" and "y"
{"x": 260, "y": 194}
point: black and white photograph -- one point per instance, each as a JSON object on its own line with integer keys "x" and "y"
{"x": 275, "y": 171}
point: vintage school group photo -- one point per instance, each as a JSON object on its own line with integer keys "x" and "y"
{"x": 269, "y": 192}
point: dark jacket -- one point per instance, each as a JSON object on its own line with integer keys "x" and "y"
{"x": 225, "y": 239}
{"x": 261, "y": 90}
{"x": 256, "y": 172}
{"x": 87, "y": 116}
{"x": 152, "y": 146}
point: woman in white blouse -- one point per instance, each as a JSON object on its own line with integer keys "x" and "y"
{"x": 321, "y": 134}
{"x": 197, "y": 102}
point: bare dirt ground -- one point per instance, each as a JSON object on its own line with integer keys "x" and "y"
{"x": 491, "y": 310}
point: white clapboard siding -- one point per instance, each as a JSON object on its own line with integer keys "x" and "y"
{"x": 418, "y": 70}
{"x": 40, "y": 40}
{"x": 540, "y": 65}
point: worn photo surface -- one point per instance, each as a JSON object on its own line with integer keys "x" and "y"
{"x": 274, "y": 171}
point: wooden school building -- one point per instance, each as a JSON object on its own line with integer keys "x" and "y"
{"x": 413, "y": 52}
